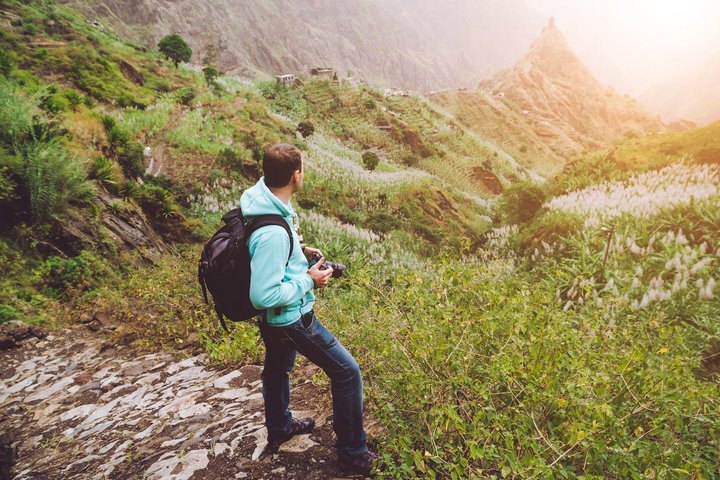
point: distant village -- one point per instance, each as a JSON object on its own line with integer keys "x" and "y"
{"x": 330, "y": 74}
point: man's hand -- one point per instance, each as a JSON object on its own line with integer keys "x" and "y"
{"x": 320, "y": 277}
{"x": 309, "y": 252}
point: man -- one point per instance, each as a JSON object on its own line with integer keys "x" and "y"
{"x": 284, "y": 289}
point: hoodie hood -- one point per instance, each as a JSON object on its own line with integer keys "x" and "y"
{"x": 259, "y": 200}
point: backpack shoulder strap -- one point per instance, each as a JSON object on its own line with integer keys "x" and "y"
{"x": 265, "y": 220}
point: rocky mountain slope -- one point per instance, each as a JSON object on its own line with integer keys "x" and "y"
{"x": 433, "y": 44}
{"x": 562, "y": 96}
{"x": 548, "y": 106}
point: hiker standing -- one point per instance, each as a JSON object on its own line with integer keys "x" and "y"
{"x": 283, "y": 288}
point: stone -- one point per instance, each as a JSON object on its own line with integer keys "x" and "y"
{"x": 221, "y": 448}
{"x": 38, "y": 332}
{"x": 297, "y": 444}
{"x": 189, "y": 374}
{"x": 7, "y": 342}
{"x": 94, "y": 325}
{"x": 102, "y": 317}
{"x": 19, "y": 331}
{"x": 44, "y": 393}
{"x": 81, "y": 411}
{"x": 189, "y": 463}
{"x": 234, "y": 394}
{"x": 21, "y": 385}
{"x": 224, "y": 381}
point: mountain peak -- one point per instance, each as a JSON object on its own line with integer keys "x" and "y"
{"x": 554, "y": 88}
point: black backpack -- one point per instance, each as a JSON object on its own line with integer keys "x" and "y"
{"x": 224, "y": 266}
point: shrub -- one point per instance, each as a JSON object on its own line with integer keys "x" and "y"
{"x": 131, "y": 159}
{"x": 210, "y": 73}
{"x": 29, "y": 29}
{"x": 108, "y": 122}
{"x": 55, "y": 179}
{"x": 55, "y": 102}
{"x": 8, "y": 313}
{"x": 19, "y": 115}
{"x": 383, "y": 222}
{"x": 116, "y": 208}
{"x": 306, "y": 129}
{"x": 82, "y": 272}
{"x": 7, "y": 186}
{"x": 175, "y": 48}
{"x": 410, "y": 160}
{"x": 6, "y": 63}
{"x": 370, "y": 160}
{"x": 186, "y": 95}
{"x": 549, "y": 228}
{"x": 229, "y": 160}
{"x": 73, "y": 97}
{"x": 129, "y": 191}
{"x": 521, "y": 201}
{"x": 103, "y": 170}
{"x": 125, "y": 100}
{"x": 158, "y": 202}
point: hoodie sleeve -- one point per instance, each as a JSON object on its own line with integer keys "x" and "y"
{"x": 269, "y": 249}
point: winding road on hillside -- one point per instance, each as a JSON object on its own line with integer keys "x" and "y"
{"x": 83, "y": 405}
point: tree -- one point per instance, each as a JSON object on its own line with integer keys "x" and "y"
{"x": 370, "y": 160}
{"x": 211, "y": 73}
{"x": 175, "y": 48}
{"x": 306, "y": 129}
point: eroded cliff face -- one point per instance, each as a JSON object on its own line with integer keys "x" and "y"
{"x": 418, "y": 45}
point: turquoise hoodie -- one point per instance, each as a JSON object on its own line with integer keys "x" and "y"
{"x": 285, "y": 292}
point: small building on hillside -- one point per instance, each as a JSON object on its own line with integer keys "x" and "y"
{"x": 323, "y": 72}
{"x": 286, "y": 79}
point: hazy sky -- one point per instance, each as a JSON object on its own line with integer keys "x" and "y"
{"x": 634, "y": 44}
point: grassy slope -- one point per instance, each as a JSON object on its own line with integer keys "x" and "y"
{"x": 471, "y": 362}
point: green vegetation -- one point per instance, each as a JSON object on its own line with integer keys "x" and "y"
{"x": 370, "y": 160}
{"x": 175, "y": 48}
{"x": 521, "y": 201}
{"x": 210, "y": 73}
{"x": 561, "y": 345}
{"x": 306, "y": 129}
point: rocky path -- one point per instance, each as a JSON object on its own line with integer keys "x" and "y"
{"x": 77, "y": 406}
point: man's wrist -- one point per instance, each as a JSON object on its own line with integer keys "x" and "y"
{"x": 309, "y": 279}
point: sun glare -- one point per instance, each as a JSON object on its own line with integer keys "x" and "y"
{"x": 671, "y": 14}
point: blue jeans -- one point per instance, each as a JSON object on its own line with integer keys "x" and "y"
{"x": 309, "y": 337}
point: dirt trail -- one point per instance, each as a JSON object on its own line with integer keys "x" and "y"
{"x": 77, "y": 406}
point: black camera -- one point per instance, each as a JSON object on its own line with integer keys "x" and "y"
{"x": 338, "y": 268}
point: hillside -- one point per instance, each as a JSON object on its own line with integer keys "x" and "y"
{"x": 504, "y": 328}
{"x": 548, "y": 106}
{"x": 257, "y": 39}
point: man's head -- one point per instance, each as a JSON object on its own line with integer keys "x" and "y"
{"x": 282, "y": 165}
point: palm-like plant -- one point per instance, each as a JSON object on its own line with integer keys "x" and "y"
{"x": 55, "y": 179}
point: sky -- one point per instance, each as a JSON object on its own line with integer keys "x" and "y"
{"x": 634, "y": 44}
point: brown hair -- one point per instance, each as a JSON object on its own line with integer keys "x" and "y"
{"x": 280, "y": 163}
